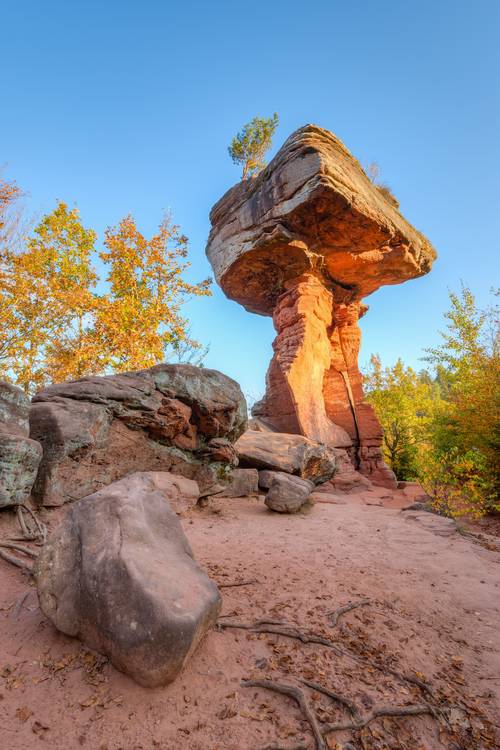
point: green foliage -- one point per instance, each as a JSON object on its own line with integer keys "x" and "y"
{"x": 445, "y": 429}
{"x": 458, "y": 483}
{"x": 249, "y": 146}
{"x": 405, "y": 403}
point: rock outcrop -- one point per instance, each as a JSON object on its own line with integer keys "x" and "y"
{"x": 305, "y": 241}
{"x": 176, "y": 418}
{"x": 19, "y": 456}
{"x": 292, "y": 454}
{"x": 119, "y": 574}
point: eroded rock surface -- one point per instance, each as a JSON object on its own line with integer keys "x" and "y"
{"x": 176, "y": 418}
{"x": 305, "y": 241}
{"x": 243, "y": 483}
{"x": 119, "y": 574}
{"x": 19, "y": 456}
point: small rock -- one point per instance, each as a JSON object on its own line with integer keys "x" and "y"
{"x": 287, "y": 494}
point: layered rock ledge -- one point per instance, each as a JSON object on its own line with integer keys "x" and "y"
{"x": 177, "y": 418}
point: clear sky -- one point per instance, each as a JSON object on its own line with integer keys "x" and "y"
{"x": 128, "y": 107}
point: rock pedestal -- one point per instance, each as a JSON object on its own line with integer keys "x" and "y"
{"x": 305, "y": 241}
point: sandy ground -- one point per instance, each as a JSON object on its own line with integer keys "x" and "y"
{"x": 433, "y": 612}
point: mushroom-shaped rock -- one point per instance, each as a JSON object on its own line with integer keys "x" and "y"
{"x": 305, "y": 241}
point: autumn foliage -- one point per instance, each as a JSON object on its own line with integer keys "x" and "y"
{"x": 61, "y": 319}
{"x": 443, "y": 427}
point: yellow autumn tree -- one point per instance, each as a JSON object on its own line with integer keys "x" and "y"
{"x": 54, "y": 324}
{"x": 51, "y": 302}
{"x": 140, "y": 317}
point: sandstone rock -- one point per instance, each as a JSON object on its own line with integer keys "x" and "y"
{"x": 176, "y": 418}
{"x": 19, "y": 456}
{"x": 182, "y": 494}
{"x": 305, "y": 241}
{"x": 119, "y": 574}
{"x": 292, "y": 454}
{"x": 243, "y": 483}
{"x": 287, "y": 493}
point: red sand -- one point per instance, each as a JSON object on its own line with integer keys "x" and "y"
{"x": 434, "y": 608}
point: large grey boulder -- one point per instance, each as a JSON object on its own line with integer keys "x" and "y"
{"x": 293, "y": 454}
{"x": 19, "y": 456}
{"x": 286, "y": 493}
{"x": 176, "y": 418}
{"x": 119, "y": 574}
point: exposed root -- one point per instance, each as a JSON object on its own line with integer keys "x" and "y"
{"x": 38, "y": 532}
{"x": 277, "y": 627}
{"x": 274, "y": 746}
{"x": 19, "y": 548}
{"x": 299, "y": 697}
{"x": 347, "y": 702}
{"x": 13, "y": 560}
{"x": 380, "y": 713}
{"x": 337, "y": 614}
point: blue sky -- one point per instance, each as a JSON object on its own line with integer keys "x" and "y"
{"x": 128, "y": 107}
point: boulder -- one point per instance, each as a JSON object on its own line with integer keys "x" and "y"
{"x": 292, "y": 454}
{"x": 177, "y": 418}
{"x": 19, "y": 456}
{"x": 304, "y": 242}
{"x": 287, "y": 493}
{"x": 119, "y": 574}
{"x": 243, "y": 483}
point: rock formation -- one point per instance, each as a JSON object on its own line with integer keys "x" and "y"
{"x": 305, "y": 241}
{"x": 19, "y": 456}
{"x": 291, "y": 454}
{"x": 177, "y": 418}
{"x": 119, "y": 574}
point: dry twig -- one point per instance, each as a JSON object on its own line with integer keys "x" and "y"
{"x": 299, "y": 697}
{"x": 337, "y": 614}
{"x": 237, "y": 583}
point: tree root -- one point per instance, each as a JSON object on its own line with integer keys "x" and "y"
{"x": 19, "y": 548}
{"x": 35, "y": 532}
{"x": 15, "y": 561}
{"x": 337, "y": 614}
{"x": 39, "y": 533}
{"x": 347, "y": 702}
{"x": 299, "y": 697}
{"x": 379, "y": 713}
{"x": 278, "y": 627}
